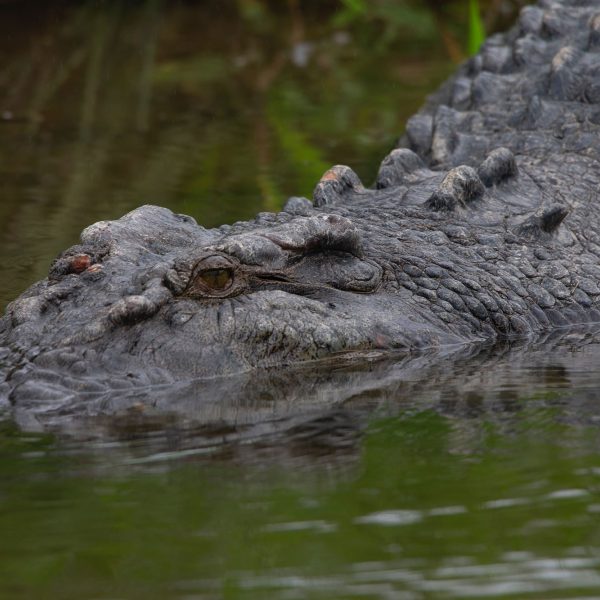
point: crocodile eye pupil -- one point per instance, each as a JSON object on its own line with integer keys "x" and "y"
{"x": 217, "y": 279}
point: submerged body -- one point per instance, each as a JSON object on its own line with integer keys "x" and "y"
{"x": 484, "y": 224}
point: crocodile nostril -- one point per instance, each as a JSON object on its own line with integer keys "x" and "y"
{"x": 79, "y": 263}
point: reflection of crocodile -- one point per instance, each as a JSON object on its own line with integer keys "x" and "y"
{"x": 318, "y": 408}
{"x": 460, "y": 240}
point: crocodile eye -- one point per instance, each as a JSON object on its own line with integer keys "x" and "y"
{"x": 215, "y": 276}
{"x": 217, "y": 279}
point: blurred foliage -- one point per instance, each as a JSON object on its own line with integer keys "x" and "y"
{"x": 218, "y": 110}
{"x": 394, "y": 19}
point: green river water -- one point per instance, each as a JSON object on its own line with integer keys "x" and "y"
{"x": 469, "y": 475}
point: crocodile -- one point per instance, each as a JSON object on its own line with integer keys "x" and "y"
{"x": 481, "y": 225}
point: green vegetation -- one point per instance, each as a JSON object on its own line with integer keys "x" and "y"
{"x": 476, "y": 27}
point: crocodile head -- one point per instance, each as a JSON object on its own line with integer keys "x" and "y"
{"x": 154, "y": 297}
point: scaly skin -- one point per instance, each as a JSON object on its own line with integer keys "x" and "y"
{"x": 483, "y": 225}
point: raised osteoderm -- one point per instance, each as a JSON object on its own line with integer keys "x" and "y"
{"x": 485, "y": 222}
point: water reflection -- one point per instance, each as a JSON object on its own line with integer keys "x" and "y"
{"x": 322, "y": 409}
